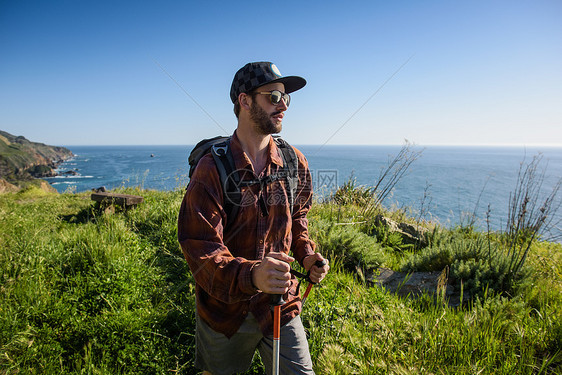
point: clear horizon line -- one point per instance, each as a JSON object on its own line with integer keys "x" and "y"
{"x": 550, "y": 145}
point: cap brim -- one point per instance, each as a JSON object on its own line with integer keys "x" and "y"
{"x": 292, "y": 83}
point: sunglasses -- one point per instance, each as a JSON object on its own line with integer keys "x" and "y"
{"x": 275, "y": 96}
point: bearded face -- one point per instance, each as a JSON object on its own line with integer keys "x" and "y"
{"x": 264, "y": 122}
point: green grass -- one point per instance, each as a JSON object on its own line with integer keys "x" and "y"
{"x": 87, "y": 293}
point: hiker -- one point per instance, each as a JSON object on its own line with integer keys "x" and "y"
{"x": 239, "y": 260}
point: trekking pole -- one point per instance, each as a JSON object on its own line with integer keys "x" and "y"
{"x": 319, "y": 263}
{"x": 276, "y": 302}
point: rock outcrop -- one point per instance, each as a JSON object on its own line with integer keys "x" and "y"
{"x": 22, "y": 160}
{"x": 6, "y": 187}
{"x": 415, "y": 284}
{"x": 411, "y": 234}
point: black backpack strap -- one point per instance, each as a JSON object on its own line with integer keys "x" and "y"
{"x": 201, "y": 149}
{"x": 229, "y": 179}
{"x": 290, "y": 168}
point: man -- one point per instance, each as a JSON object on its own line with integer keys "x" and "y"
{"x": 238, "y": 263}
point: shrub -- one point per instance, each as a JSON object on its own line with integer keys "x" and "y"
{"x": 351, "y": 193}
{"x": 348, "y": 243}
{"x": 40, "y": 171}
{"x": 480, "y": 265}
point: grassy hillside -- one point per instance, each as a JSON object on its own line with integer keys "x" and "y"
{"x": 83, "y": 292}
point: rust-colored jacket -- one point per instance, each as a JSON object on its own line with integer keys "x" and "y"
{"x": 222, "y": 261}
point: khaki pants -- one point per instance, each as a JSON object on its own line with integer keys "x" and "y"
{"x": 222, "y": 356}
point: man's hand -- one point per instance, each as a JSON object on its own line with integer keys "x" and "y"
{"x": 273, "y": 274}
{"x": 316, "y": 273}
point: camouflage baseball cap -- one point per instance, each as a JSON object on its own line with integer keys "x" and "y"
{"x": 256, "y": 74}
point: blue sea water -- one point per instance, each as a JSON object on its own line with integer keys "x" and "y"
{"x": 456, "y": 181}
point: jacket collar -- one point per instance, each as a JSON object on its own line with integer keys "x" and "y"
{"x": 242, "y": 161}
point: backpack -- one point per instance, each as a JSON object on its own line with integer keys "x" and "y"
{"x": 219, "y": 147}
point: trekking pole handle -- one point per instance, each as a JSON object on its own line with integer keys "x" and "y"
{"x": 276, "y": 300}
{"x": 319, "y": 264}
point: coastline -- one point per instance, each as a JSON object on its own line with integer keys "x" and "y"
{"x": 456, "y": 181}
{"x": 24, "y": 163}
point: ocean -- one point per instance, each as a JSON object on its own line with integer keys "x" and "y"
{"x": 446, "y": 184}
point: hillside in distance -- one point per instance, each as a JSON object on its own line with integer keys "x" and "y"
{"x": 22, "y": 160}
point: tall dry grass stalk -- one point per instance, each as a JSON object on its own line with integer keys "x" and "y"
{"x": 390, "y": 175}
{"x": 531, "y": 213}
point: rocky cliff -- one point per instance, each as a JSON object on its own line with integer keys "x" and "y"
{"x": 22, "y": 160}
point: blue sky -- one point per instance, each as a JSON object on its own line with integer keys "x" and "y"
{"x": 433, "y": 72}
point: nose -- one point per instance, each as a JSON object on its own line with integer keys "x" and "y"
{"x": 282, "y": 106}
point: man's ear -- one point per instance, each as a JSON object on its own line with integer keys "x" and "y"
{"x": 245, "y": 101}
